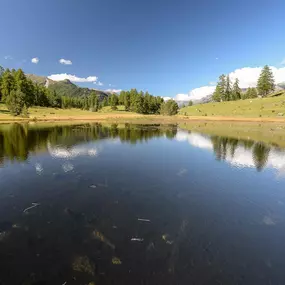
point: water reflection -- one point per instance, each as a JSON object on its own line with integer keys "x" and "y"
{"x": 18, "y": 141}
{"x": 238, "y": 152}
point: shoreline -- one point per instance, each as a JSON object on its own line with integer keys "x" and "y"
{"x": 145, "y": 118}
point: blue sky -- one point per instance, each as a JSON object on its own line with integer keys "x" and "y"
{"x": 165, "y": 47}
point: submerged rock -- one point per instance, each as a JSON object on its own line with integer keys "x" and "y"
{"x": 116, "y": 260}
{"x": 83, "y": 264}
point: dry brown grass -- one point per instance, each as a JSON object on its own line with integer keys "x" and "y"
{"x": 51, "y": 114}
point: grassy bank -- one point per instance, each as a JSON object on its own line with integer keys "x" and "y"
{"x": 271, "y": 107}
{"x": 52, "y": 114}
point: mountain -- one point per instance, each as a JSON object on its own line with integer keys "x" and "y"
{"x": 66, "y": 87}
{"x": 280, "y": 86}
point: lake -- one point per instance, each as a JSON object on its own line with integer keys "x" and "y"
{"x": 140, "y": 204}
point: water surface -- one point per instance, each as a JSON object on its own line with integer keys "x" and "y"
{"x": 139, "y": 204}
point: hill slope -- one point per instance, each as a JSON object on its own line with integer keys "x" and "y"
{"x": 259, "y": 107}
{"x": 208, "y": 98}
{"x": 66, "y": 87}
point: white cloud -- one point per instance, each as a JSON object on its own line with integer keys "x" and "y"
{"x": 212, "y": 83}
{"x": 99, "y": 83}
{"x": 35, "y": 60}
{"x": 283, "y": 61}
{"x": 73, "y": 78}
{"x": 247, "y": 77}
{"x": 65, "y": 61}
{"x": 167, "y": 98}
{"x": 199, "y": 93}
{"x": 182, "y": 97}
{"x": 8, "y": 57}
{"x": 196, "y": 94}
{"x": 113, "y": 90}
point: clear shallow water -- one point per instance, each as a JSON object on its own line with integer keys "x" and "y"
{"x": 139, "y": 205}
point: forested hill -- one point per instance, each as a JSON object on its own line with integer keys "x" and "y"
{"x": 66, "y": 87}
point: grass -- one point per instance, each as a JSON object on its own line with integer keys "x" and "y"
{"x": 250, "y": 108}
{"x": 120, "y": 110}
{"x": 265, "y": 110}
{"x": 43, "y": 113}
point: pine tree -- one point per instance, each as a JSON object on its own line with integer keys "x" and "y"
{"x": 265, "y": 83}
{"x": 122, "y": 97}
{"x": 127, "y": 101}
{"x": 15, "y": 102}
{"x": 114, "y": 102}
{"x": 190, "y": 103}
{"x": 1, "y": 72}
{"x": 93, "y": 102}
{"x": 7, "y": 84}
{"x": 133, "y": 95}
{"x": 25, "y": 85}
{"x": 105, "y": 102}
{"x": 139, "y": 103}
{"x": 250, "y": 93}
{"x": 228, "y": 89}
{"x": 219, "y": 94}
{"x": 236, "y": 92}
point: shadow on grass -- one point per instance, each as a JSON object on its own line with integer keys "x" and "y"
{"x": 4, "y": 112}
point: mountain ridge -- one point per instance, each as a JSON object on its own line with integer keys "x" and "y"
{"x": 66, "y": 87}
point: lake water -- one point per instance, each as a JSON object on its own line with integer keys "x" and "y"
{"x": 139, "y": 204}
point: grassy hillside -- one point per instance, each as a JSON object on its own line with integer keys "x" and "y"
{"x": 259, "y": 107}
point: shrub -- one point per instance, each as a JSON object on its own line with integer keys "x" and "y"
{"x": 169, "y": 108}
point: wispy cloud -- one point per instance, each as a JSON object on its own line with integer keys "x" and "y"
{"x": 99, "y": 83}
{"x": 113, "y": 90}
{"x": 73, "y": 78}
{"x": 65, "y": 61}
{"x": 283, "y": 61}
{"x": 8, "y": 57}
{"x": 35, "y": 60}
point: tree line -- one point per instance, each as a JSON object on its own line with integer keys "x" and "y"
{"x": 19, "y": 93}
{"x": 228, "y": 91}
